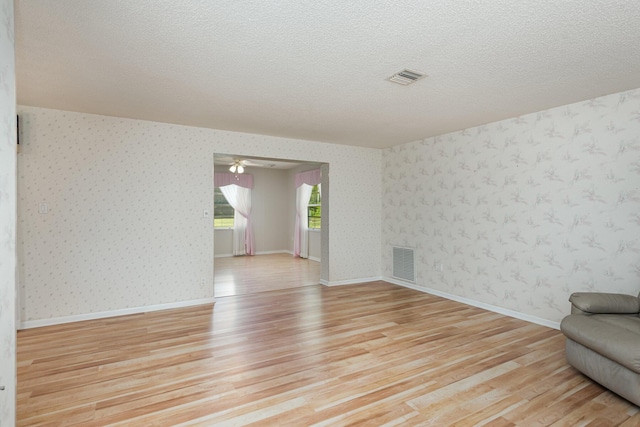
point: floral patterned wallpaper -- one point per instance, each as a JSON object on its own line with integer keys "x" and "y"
{"x": 7, "y": 216}
{"x": 125, "y": 199}
{"x": 520, "y": 213}
{"x": 525, "y": 211}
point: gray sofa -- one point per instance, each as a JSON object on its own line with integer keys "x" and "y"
{"x": 603, "y": 340}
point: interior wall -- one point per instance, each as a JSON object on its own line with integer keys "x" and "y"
{"x": 273, "y": 207}
{"x": 269, "y": 200}
{"x": 315, "y": 245}
{"x": 223, "y": 242}
{"x": 525, "y": 211}
{"x": 325, "y": 238}
{"x": 125, "y": 227}
{"x": 7, "y": 216}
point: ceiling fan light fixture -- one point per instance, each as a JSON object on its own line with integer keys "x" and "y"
{"x": 236, "y": 167}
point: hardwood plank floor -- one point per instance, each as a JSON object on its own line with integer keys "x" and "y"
{"x": 369, "y": 354}
{"x": 260, "y": 273}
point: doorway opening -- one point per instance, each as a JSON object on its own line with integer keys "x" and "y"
{"x": 273, "y": 213}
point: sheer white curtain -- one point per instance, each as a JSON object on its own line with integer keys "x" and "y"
{"x": 300, "y": 243}
{"x": 240, "y": 199}
{"x": 304, "y": 185}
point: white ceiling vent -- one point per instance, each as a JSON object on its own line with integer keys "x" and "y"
{"x": 406, "y": 77}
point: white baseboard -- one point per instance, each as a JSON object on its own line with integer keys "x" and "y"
{"x": 257, "y": 253}
{"x": 312, "y": 258}
{"x": 350, "y": 281}
{"x": 223, "y": 256}
{"x": 112, "y": 313}
{"x": 468, "y": 301}
{"x": 271, "y": 252}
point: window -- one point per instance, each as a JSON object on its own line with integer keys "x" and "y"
{"x": 222, "y": 210}
{"x": 314, "y": 211}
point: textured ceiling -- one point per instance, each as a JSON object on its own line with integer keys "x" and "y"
{"x": 316, "y": 69}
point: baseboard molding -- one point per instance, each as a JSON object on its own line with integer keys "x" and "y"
{"x": 257, "y": 253}
{"x": 112, "y": 313}
{"x": 310, "y": 258}
{"x": 474, "y": 303}
{"x": 223, "y": 256}
{"x": 282, "y": 251}
{"x": 350, "y": 281}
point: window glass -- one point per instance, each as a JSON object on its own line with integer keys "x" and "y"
{"x": 314, "y": 211}
{"x": 222, "y": 210}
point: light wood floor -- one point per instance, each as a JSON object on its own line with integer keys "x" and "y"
{"x": 370, "y": 354}
{"x": 250, "y": 274}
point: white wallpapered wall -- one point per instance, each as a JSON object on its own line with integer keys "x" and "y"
{"x": 125, "y": 227}
{"x": 7, "y": 216}
{"x": 525, "y": 211}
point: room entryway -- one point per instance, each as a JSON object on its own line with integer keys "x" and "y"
{"x": 282, "y": 240}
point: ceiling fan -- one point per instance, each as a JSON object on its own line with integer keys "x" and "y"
{"x": 238, "y": 165}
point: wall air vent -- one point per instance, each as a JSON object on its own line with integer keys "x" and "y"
{"x": 403, "y": 262}
{"x": 406, "y": 77}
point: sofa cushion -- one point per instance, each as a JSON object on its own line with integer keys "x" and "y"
{"x": 603, "y": 303}
{"x": 614, "y": 337}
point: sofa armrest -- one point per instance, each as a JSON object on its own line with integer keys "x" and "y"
{"x": 603, "y": 303}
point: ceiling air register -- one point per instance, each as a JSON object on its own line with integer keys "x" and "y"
{"x": 406, "y": 77}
